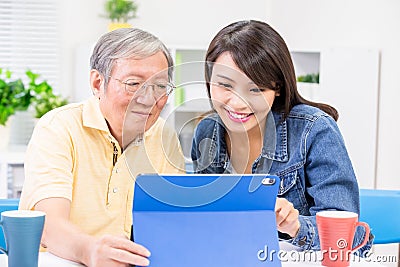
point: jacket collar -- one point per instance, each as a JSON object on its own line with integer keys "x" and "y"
{"x": 275, "y": 138}
{"x": 274, "y": 145}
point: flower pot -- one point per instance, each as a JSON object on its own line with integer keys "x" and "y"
{"x": 21, "y": 128}
{"x": 113, "y": 26}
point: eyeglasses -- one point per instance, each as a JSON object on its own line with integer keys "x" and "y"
{"x": 160, "y": 88}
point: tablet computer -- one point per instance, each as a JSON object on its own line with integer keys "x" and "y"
{"x": 207, "y": 220}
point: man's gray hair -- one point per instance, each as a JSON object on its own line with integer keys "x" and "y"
{"x": 126, "y": 43}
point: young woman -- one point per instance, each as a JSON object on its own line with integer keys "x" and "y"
{"x": 263, "y": 125}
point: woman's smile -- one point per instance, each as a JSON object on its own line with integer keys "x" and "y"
{"x": 238, "y": 117}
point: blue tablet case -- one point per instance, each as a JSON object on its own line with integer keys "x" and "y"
{"x": 207, "y": 220}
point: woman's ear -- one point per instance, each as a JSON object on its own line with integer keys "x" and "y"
{"x": 96, "y": 82}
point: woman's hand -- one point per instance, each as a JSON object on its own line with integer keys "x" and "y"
{"x": 287, "y": 217}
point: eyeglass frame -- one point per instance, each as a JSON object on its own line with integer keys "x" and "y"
{"x": 144, "y": 86}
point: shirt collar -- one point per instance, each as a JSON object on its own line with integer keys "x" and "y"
{"x": 92, "y": 116}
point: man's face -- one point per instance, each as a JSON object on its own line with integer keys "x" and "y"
{"x": 129, "y": 112}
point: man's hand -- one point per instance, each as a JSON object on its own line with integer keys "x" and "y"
{"x": 114, "y": 251}
{"x": 287, "y": 217}
{"x": 66, "y": 240}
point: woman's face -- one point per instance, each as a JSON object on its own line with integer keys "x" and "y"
{"x": 241, "y": 104}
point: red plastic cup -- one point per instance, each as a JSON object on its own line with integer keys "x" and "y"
{"x": 336, "y": 231}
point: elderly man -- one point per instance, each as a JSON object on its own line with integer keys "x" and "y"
{"x": 82, "y": 159}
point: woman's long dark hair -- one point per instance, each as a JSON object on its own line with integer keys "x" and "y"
{"x": 261, "y": 53}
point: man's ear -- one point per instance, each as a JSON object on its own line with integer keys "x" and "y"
{"x": 96, "y": 82}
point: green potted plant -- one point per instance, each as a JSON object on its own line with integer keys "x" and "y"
{"x": 119, "y": 12}
{"x": 44, "y": 98}
{"x": 17, "y": 96}
{"x": 13, "y": 96}
{"x": 309, "y": 78}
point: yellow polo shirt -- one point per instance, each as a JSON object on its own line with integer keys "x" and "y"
{"x": 70, "y": 155}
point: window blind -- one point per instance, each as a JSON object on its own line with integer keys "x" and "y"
{"x": 29, "y": 38}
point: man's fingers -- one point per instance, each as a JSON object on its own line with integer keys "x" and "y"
{"x": 126, "y": 244}
{"x": 121, "y": 255}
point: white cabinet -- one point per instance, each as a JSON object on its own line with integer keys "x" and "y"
{"x": 306, "y": 62}
{"x": 12, "y": 171}
{"x": 349, "y": 81}
{"x": 189, "y": 101}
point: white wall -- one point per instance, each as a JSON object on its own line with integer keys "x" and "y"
{"x": 194, "y": 23}
{"x": 316, "y": 24}
{"x": 80, "y": 22}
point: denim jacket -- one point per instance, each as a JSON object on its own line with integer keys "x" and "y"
{"x": 310, "y": 158}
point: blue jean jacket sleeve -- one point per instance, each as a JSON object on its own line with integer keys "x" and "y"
{"x": 307, "y": 235}
{"x": 331, "y": 182}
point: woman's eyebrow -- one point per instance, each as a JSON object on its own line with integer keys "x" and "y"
{"x": 225, "y": 77}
